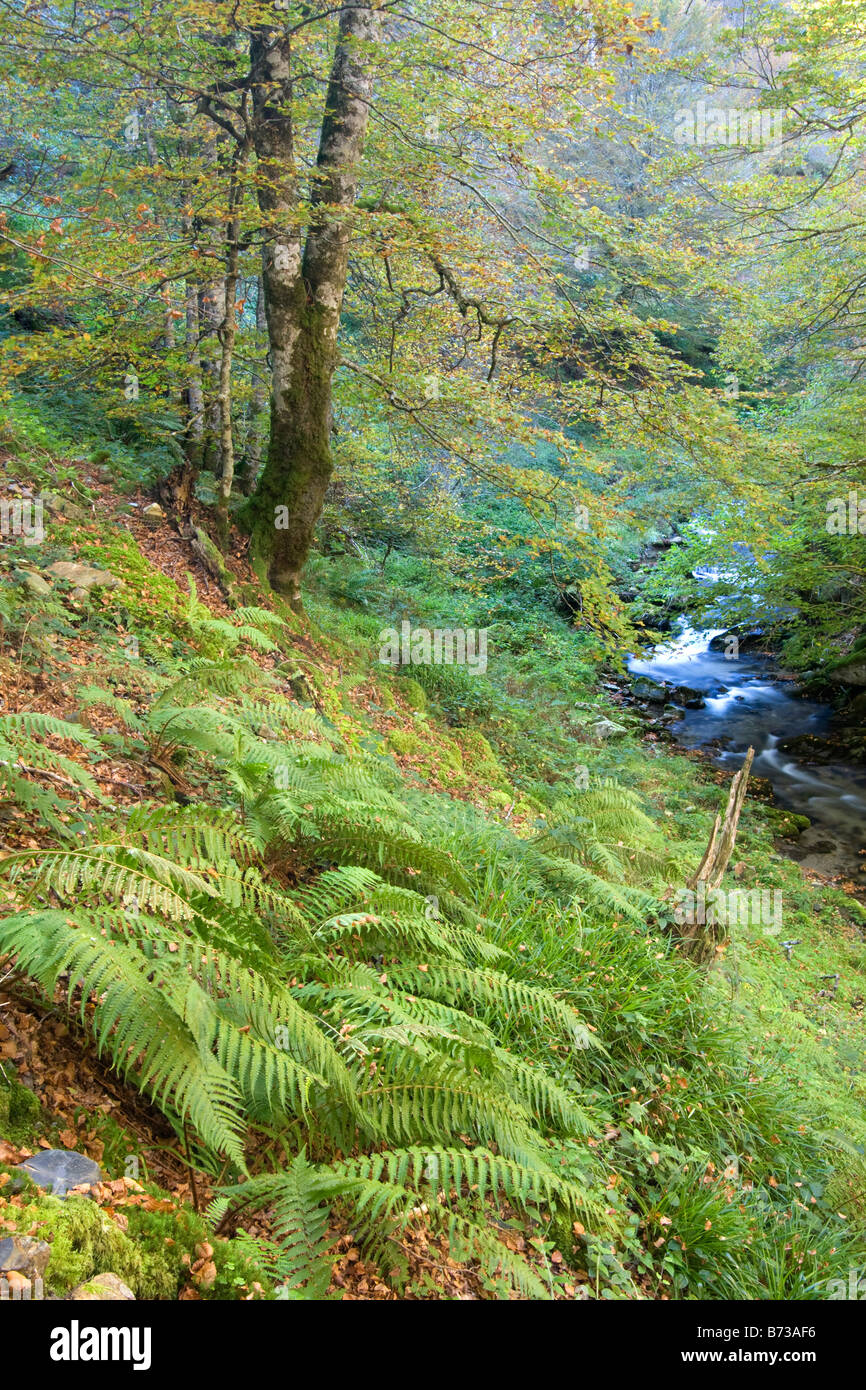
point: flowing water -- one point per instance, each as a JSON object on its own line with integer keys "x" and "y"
{"x": 748, "y": 703}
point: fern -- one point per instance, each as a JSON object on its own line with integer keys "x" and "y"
{"x": 362, "y": 1006}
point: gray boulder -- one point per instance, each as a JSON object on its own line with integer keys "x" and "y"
{"x": 605, "y": 728}
{"x": 36, "y": 586}
{"x": 60, "y": 1169}
{"x": 83, "y": 577}
{"x": 645, "y": 689}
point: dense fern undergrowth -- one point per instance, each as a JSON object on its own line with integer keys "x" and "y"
{"x": 356, "y": 995}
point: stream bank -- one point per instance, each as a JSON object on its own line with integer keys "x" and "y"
{"x": 713, "y": 700}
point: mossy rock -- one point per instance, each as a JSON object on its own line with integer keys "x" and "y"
{"x": 21, "y": 1116}
{"x": 787, "y": 823}
{"x": 452, "y": 756}
{"x": 413, "y": 693}
{"x": 85, "y": 1241}
{"x": 476, "y": 744}
{"x": 404, "y": 741}
{"x": 480, "y": 759}
{"x": 176, "y": 1233}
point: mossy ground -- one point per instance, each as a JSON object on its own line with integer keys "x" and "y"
{"x": 21, "y": 1115}
{"x": 152, "y": 1255}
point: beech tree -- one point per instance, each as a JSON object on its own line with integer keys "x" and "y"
{"x": 304, "y": 278}
{"x": 440, "y": 269}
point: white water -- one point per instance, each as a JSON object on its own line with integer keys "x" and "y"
{"x": 746, "y": 706}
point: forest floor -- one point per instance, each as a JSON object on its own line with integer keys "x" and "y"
{"x": 803, "y": 1010}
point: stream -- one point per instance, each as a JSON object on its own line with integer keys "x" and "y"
{"x": 749, "y": 702}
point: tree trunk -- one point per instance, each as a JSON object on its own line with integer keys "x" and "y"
{"x": 193, "y": 394}
{"x": 228, "y": 333}
{"x": 304, "y": 293}
{"x": 700, "y": 940}
{"x": 175, "y": 491}
{"x": 248, "y": 473}
{"x": 211, "y": 314}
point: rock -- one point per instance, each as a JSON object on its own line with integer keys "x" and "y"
{"x": 61, "y": 506}
{"x": 106, "y": 1287}
{"x": 29, "y": 1257}
{"x": 746, "y": 640}
{"x": 35, "y": 585}
{"x": 154, "y": 511}
{"x": 852, "y": 674}
{"x": 665, "y": 542}
{"x": 60, "y": 1169}
{"x": 605, "y": 728}
{"x": 855, "y": 712}
{"x": 687, "y": 697}
{"x": 645, "y": 689}
{"x": 83, "y": 577}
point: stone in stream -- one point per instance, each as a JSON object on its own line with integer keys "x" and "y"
{"x": 687, "y": 697}
{"x": 745, "y": 641}
{"x": 645, "y": 689}
{"x": 58, "y": 1170}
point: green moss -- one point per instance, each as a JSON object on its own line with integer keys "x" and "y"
{"x": 239, "y": 1266}
{"x": 787, "y": 822}
{"x": 480, "y": 759}
{"x": 403, "y": 741}
{"x": 414, "y": 695}
{"x": 451, "y": 755}
{"x": 21, "y": 1115}
{"x": 85, "y": 1241}
{"x": 149, "y": 1256}
{"x": 164, "y": 1238}
{"x": 151, "y": 600}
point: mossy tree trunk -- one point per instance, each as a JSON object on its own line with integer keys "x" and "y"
{"x": 304, "y": 282}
